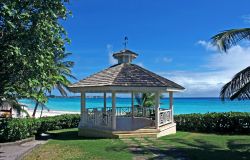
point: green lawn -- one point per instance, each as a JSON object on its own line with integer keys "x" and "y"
{"x": 199, "y": 146}
{"x": 67, "y": 145}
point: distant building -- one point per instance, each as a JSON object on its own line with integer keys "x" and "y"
{"x": 7, "y": 110}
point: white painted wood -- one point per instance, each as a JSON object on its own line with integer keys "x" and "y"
{"x": 157, "y": 107}
{"x": 171, "y": 105}
{"x": 132, "y": 105}
{"x": 122, "y": 89}
{"x": 105, "y": 102}
{"x": 83, "y": 102}
{"x": 164, "y": 117}
{"x": 113, "y": 110}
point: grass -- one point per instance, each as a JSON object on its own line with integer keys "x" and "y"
{"x": 199, "y": 146}
{"x": 67, "y": 145}
{"x": 196, "y": 146}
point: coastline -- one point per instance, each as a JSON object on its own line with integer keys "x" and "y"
{"x": 50, "y": 113}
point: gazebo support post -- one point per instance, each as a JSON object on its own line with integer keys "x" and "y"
{"x": 104, "y": 102}
{"x": 83, "y": 102}
{"x": 113, "y": 111}
{"x": 132, "y": 105}
{"x": 157, "y": 107}
{"x": 171, "y": 106}
{"x": 83, "y": 109}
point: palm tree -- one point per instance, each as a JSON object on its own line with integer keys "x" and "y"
{"x": 64, "y": 70}
{"x": 145, "y": 99}
{"x": 239, "y": 86}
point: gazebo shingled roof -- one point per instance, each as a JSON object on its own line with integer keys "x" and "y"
{"x": 125, "y": 75}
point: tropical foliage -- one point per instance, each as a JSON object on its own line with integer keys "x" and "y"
{"x": 64, "y": 70}
{"x": 239, "y": 86}
{"x": 145, "y": 99}
{"x": 32, "y": 46}
{"x": 16, "y": 129}
{"x": 229, "y": 122}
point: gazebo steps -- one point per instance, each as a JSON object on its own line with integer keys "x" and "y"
{"x": 136, "y": 135}
{"x": 139, "y": 133}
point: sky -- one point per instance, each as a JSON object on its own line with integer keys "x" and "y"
{"x": 172, "y": 38}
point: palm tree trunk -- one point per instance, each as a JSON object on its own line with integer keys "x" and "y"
{"x": 41, "y": 112}
{"x": 34, "y": 112}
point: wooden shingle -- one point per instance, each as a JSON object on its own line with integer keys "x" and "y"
{"x": 126, "y": 74}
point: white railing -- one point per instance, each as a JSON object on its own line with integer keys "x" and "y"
{"x": 100, "y": 118}
{"x": 94, "y": 117}
{"x": 165, "y": 117}
{"x": 138, "y": 111}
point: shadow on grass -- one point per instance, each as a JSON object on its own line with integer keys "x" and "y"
{"x": 148, "y": 151}
{"x": 238, "y": 144}
{"x": 201, "y": 149}
{"x": 66, "y": 135}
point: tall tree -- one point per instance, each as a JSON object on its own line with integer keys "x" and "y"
{"x": 239, "y": 86}
{"x": 30, "y": 36}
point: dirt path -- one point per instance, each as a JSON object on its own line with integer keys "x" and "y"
{"x": 152, "y": 148}
{"x": 16, "y": 151}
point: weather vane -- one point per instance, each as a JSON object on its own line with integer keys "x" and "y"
{"x": 125, "y": 43}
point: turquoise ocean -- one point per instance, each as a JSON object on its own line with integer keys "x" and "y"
{"x": 181, "y": 105}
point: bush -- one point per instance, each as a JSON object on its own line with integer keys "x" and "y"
{"x": 228, "y": 122}
{"x": 58, "y": 122}
{"x": 17, "y": 129}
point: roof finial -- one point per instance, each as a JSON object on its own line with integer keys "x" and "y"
{"x": 125, "y": 43}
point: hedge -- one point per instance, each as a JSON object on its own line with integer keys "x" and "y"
{"x": 13, "y": 129}
{"x": 227, "y": 122}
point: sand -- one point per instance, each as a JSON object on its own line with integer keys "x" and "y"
{"x": 50, "y": 113}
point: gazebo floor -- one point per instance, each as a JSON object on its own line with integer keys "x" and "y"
{"x": 129, "y": 127}
{"x": 133, "y": 124}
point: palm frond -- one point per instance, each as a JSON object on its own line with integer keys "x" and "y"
{"x": 68, "y": 64}
{"x": 229, "y": 38}
{"x": 70, "y": 76}
{"x": 243, "y": 93}
{"x": 64, "y": 70}
{"x": 238, "y": 87}
{"x": 61, "y": 89}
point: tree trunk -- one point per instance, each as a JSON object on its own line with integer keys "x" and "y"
{"x": 41, "y": 112}
{"x": 34, "y": 112}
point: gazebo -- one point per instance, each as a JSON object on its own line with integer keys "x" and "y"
{"x": 126, "y": 121}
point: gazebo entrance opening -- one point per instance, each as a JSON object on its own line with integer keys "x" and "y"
{"x": 125, "y": 118}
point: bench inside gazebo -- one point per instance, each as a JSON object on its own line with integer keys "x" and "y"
{"x": 128, "y": 121}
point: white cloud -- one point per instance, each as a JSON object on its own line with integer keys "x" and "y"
{"x": 140, "y": 64}
{"x": 235, "y": 60}
{"x": 164, "y": 59}
{"x": 246, "y": 18}
{"x": 112, "y": 61}
{"x": 218, "y": 70}
{"x": 207, "y": 45}
{"x": 167, "y": 60}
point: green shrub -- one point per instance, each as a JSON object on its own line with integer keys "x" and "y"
{"x": 58, "y": 122}
{"x": 228, "y": 122}
{"x": 17, "y": 129}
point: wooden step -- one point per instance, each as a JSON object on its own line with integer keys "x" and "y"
{"x": 137, "y": 135}
{"x": 137, "y": 131}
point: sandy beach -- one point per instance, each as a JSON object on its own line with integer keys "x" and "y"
{"x": 50, "y": 113}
